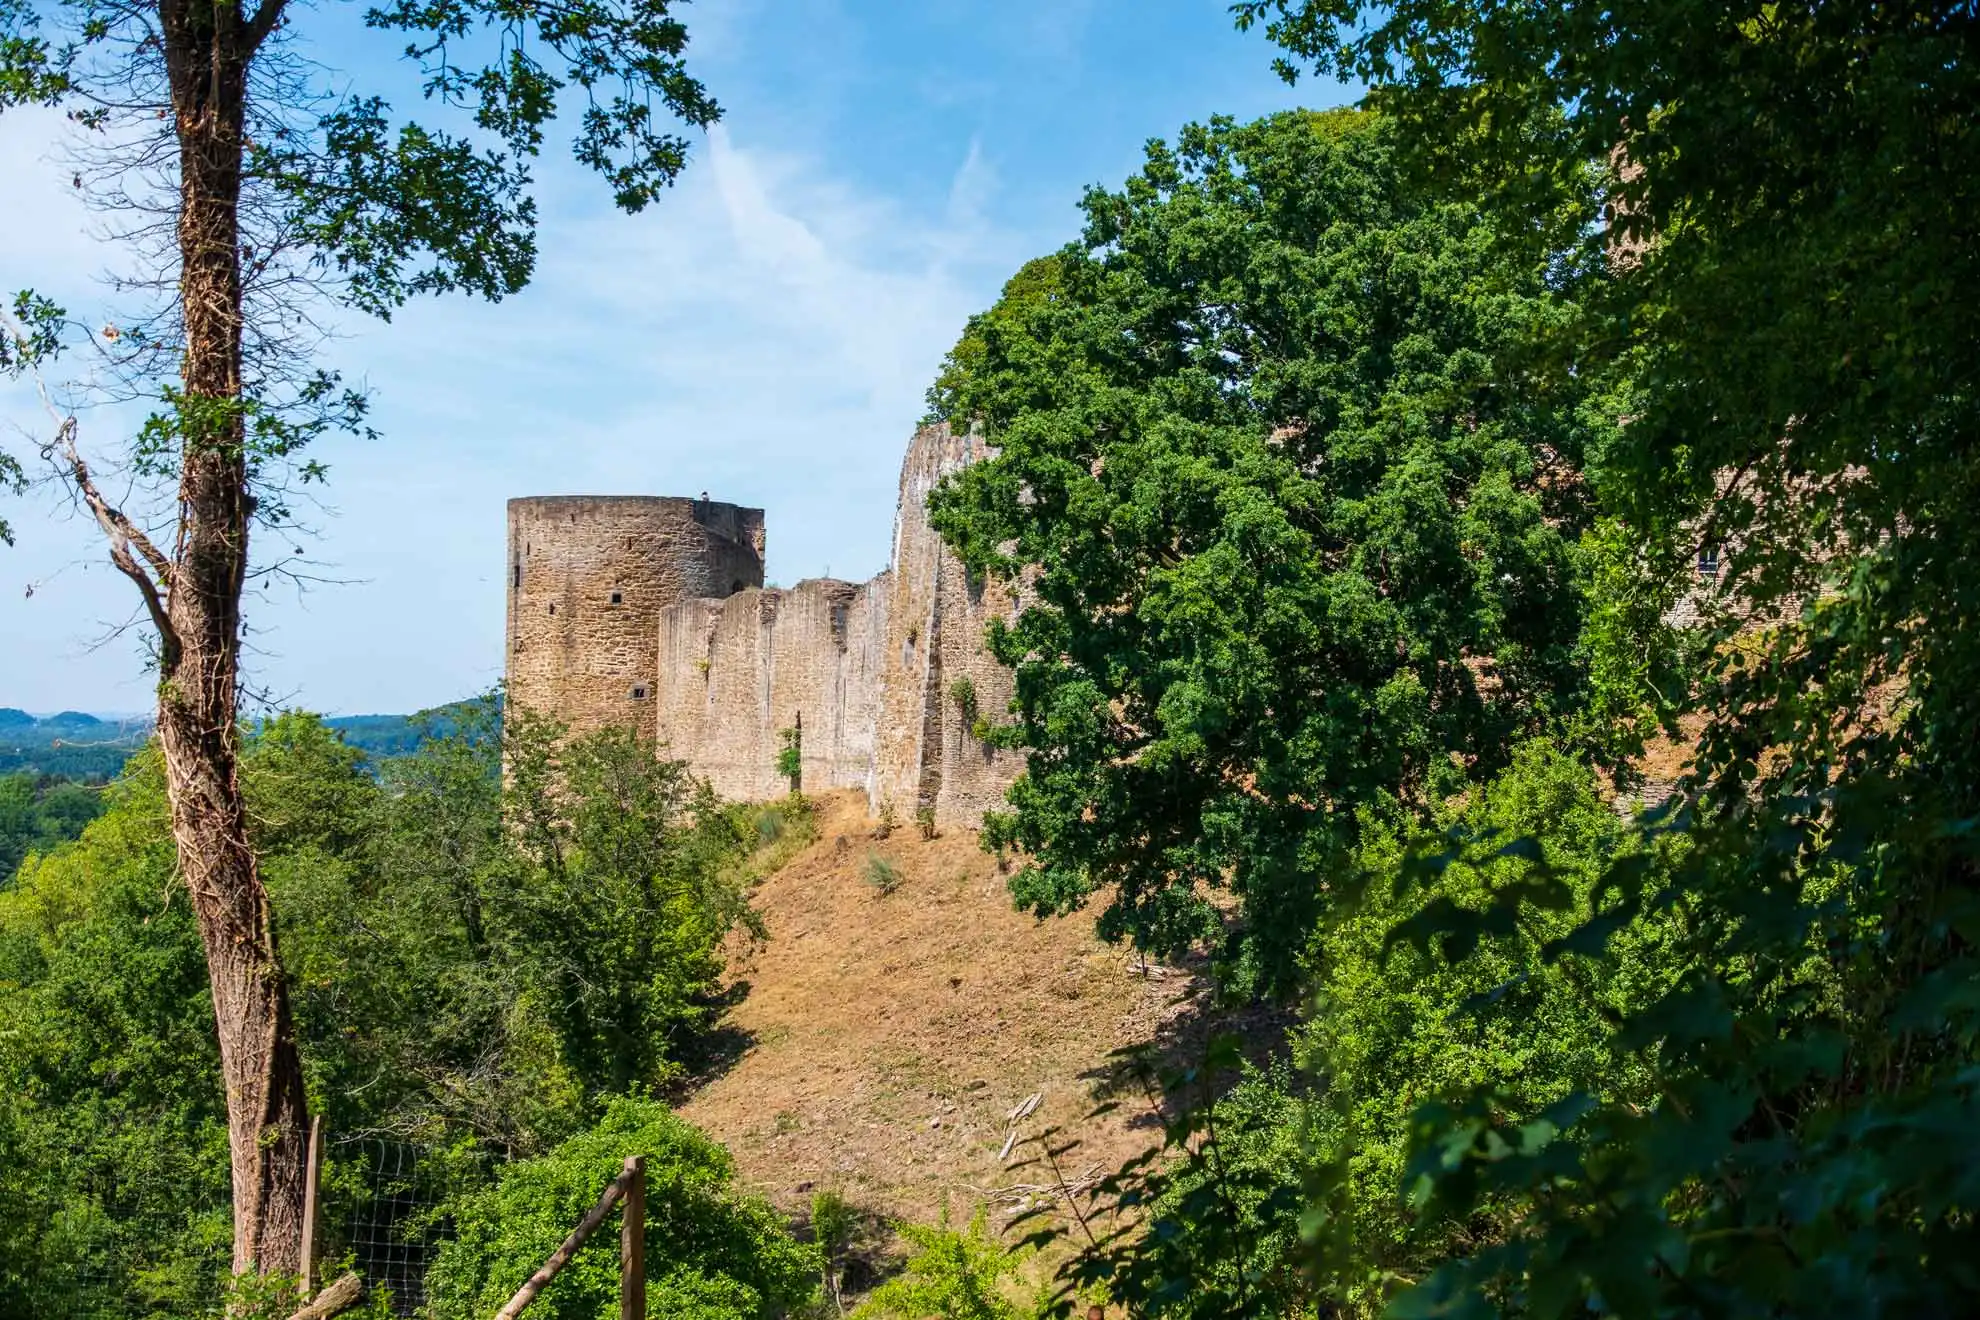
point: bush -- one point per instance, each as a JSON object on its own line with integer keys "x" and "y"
{"x": 963, "y": 693}
{"x": 924, "y": 820}
{"x": 889, "y": 821}
{"x": 782, "y": 829}
{"x": 833, "y": 1226}
{"x": 957, "y": 1276}
{"x": 790, "y": 757}
{"x": 1395, "y": 1025}
{"x": 882, "y": 874}
{"x": 712, "y": 1252}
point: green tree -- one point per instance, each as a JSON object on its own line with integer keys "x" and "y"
{"x": 1397, "y": 1021}
{"x": 1288, "y": 1190}
{"x": 712, "y": 1252}
{"x": 37, "y": 813}
{"x": 1788, "y": 189}
{"x": 113, "y": 1138}
{"x": 451, "y": 986}
{"x": 257, "y": 191}
{"x": 637, "y": 878}
{"x": 1297, "y": 527}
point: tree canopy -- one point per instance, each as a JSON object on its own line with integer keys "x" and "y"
{"x": 1297, "y": 535}
{"x": 458, "y": 985}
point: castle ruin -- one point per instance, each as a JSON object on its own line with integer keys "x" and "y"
{"x": 651, "y": 613}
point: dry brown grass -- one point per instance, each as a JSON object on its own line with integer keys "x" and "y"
{"x": 890, "y": 1034}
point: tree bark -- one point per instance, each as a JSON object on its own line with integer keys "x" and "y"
{"x": 207, "y": 48}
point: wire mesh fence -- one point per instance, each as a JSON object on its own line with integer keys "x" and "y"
{"x": 161, "y": 1236}
{"x": 160, "y": 1233}
{"x": 390, "y": 1226}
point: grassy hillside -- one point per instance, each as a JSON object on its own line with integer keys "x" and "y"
{"x": 882, "y": 1039}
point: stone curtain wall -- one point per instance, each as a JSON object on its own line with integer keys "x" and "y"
{"x": 871, "y": 668}
{"x": 574, "y": 652}
{"x": 734, "y": 672}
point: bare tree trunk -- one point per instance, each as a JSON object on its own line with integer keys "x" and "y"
{"x": 207, "y": 47}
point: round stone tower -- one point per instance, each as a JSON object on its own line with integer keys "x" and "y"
{"x": 587, "y": 578}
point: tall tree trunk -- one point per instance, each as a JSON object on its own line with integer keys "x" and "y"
{"x": 207, "y": 47}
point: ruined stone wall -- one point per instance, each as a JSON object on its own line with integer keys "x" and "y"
{"x": 870, "y": 669}
{"x": 588, "y": 577}
{"x": 734, "y": 673}
{"x": 927, "y": 756}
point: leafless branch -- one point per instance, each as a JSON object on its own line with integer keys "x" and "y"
{"x": 128, "y": 541}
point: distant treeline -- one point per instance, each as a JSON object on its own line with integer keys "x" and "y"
{"x": 71, "y": 745}
{"x": 87, "y": 749}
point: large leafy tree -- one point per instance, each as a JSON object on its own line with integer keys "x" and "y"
{"x": 454, "y": 987}
{"x": 1794, "y": 233}
{"x": 254, "y": 193}
{"x": 1297, "y": 534}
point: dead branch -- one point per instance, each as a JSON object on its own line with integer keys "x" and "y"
{"x": 342, "y": 1295}
{"x": 1027, "y": 1195}
{"x": 123, "y": 535}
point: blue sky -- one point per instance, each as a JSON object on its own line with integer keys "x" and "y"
{"x": 764, "y": 333}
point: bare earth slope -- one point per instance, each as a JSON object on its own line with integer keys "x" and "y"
{"x": 892, "y": 1034}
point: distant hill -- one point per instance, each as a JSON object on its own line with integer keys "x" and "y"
{"x": 91, "y": 749}
{"x": 73, "y": 744}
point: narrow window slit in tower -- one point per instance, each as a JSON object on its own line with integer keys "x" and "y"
{"x": 639, "y": 693}
{"x": 618, "y": 598}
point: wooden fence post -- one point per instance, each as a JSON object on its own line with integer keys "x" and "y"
{"x": 632, "y": 1242}
{"x": 311, "y": 1173}
{"x": 562, "y": 1255}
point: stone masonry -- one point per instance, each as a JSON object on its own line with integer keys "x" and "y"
{"x": 588, "y": 577}
{"x": 871, "y": 670}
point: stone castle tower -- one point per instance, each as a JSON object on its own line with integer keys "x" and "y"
{"x": 651, "y": 613}
{"x": 588, "y": 578}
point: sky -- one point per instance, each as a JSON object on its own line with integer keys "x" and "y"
{"x": 765, "y": 332}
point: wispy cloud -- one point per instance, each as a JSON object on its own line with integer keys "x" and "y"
{"x": 764, "y": 333}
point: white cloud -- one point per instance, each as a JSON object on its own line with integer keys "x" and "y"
{"x": 764, "y": 333}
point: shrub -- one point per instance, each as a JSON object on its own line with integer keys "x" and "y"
{"x": 790, "y": 756}
{"x": 924, "y": 820}
{"x": 963, "y": 693}
{"x": 882, "y": 874}
{"x": 713, "y": 1252}
{"x": 1278, "y": 1175}
{"x": 957, "y": 1276}
{"x": 833, "y": 1225}
{"x": 889, "y": 821}
{"x": 1396, "y": 1025}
